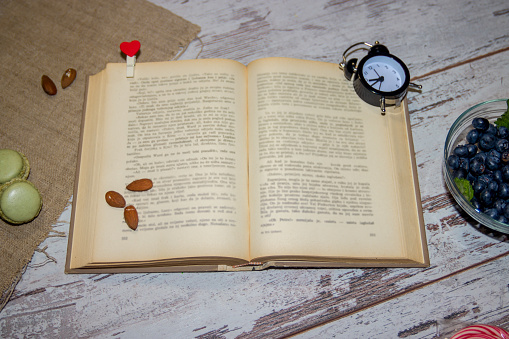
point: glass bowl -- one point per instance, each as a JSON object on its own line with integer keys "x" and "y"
{"x": 490, "y": 110}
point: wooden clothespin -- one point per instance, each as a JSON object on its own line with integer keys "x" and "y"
{"x": 130, "y": 49}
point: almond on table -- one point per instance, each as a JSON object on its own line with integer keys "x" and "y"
{"x": 48, "y": 85}
{"x": 68, "y": 77}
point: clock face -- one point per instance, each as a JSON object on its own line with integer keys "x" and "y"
{"x": 384, "y": 74}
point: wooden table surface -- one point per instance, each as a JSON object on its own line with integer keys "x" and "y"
{"x": 459, "y": 52}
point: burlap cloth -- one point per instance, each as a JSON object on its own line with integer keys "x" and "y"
{"x": 47, "y": 37}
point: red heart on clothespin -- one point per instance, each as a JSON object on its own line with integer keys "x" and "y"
{"x": 130, "y": 48}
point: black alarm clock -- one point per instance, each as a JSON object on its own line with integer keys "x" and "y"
{"x": 380, "y": 78}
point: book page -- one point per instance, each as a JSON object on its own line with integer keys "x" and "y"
{"x": 183, "y": 125}
{"x": 321, "y": 167}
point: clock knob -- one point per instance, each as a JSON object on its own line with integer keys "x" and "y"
{"x": 378, "y": 49}
{"x": 349, "y": 68}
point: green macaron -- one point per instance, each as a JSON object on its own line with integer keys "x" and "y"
{"x": 20, "y": 201}
{"x": 13, "y": 164}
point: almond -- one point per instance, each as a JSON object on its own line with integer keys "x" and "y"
{"x": 68, "y": 77}
{"x": 131, "y": 217}
{"x": 115, "y": 199}
{"x": 48, "y": 85}
{"x": 140, "y": 185}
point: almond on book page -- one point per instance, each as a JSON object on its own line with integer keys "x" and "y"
{"x": 140, "y": 185}
{"x": 115, "y": 199}
{"x": 131, "y": 217}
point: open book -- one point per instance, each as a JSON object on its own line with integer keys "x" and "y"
{"x": 277, "y": 164}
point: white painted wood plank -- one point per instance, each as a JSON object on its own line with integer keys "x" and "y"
{"x": 427, "y": 34}
{"x": 479, "y": 296}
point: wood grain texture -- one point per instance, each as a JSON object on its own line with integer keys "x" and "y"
{"x": 472, "y": 297}
{"x": 459, "y": 52}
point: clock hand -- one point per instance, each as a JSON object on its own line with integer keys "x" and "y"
{"x": 381, "y": 80}
{"x": 374, "y": 83}
{"x": 375, "y": 80}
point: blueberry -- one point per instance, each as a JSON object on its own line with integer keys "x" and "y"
{"x": 476, "y": 204}
{"x": 492, "y": 213}
{"x": 503, "y": 190}
{"x": 470, "y": 177}
{"x": 502, "y": 145}
{"x": 464, "y": 163}
{"x": 487, "y": 141}
{"x": 494, "y": 153}
{"x": 476, "y": 166}
{"x": 497, "y": 176}
{"x": 478, "y": 186}
{"x": 481, "y": 124}
{"x": 481, "y": 155}
{"x": 493, "y": 163}
{"x": 505, "y": 156}
{"x": 460, "y": 173}
{"x": 492, "y": 129}
{"x": 472, "y": 150}
{"x": 503, "y": 132}
{"x": 493, "y": 186}
{"x": 499, "y": 205}
{"x": 486, "y": 178}
{"x": 453, "y": 161}
{"x": 473, "y": 136}
{"x": 486, "y": 197}
{"x": 505, "y": 172}
{"x": 506, "y": 211}
{"x": 461, "y": 151}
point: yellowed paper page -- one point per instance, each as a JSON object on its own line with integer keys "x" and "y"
{"x": 321, "y": 173}
{"x": 82, "y": 237}
{"x": 183, "y": 125}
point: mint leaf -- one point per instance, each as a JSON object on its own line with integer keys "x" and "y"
{"x": 504, "y": 118}
{"x": 465, "y": 188}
